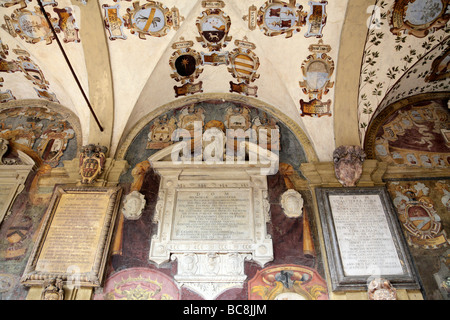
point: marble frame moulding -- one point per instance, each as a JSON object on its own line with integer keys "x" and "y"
{"x": 363, "y": 239}
{"x": 74, "y": 239}
{"x": 211, "y": 219}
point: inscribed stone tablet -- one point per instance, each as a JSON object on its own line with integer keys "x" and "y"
{"x": 74, "y": 234}
{"x": 215, "y": 214}
{"x": 365, "y": 240}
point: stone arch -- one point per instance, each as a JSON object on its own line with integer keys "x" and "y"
{"x": 293, "y": 126}
{"x": 377, "y": 123}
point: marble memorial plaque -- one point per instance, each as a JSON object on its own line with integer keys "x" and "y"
{"x": 74, "y": 233}
{"x": 211, "y": 219}
{"x": 363, "y": 238}
{"x": 75, "y": 236}
{"x": 215, "y": 214}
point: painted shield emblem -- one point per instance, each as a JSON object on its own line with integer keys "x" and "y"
{"x": 149, "y": 20}
{"x": 90, "y": 167}
{"x": 34, "y": 26}
{"x": 423, "y": 12}
{"x": 420, "y": 217}
{"x": 185, "y": 65}
{"x": 317, "y": 75}
{"x": 244, "y": 65}
{"x": 213, "y": 28}
{"x": 279, "y": 17}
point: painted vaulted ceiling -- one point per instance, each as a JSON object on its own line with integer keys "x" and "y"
{"x": 329, "y": 66}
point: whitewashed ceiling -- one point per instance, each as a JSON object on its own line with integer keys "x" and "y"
{"x": 395, "y": 62}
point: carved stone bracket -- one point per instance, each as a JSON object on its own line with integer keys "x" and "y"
{"x": 211, "y": 273}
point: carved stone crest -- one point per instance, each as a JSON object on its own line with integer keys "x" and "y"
{"x": 348, "y": 164}
{"x": 381, "y": 289}
{"x": 53, "y": 289}
{"x": 3, "y": 148}
{"x": 133, "y": 205}
{"x": 92, "y": 162}
{"x": 292, "y": 203}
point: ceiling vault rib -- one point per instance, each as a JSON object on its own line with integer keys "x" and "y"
{"x": 70, "y": 65}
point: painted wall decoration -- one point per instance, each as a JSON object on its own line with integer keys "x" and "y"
{"x": 42, "y": 130}
{"x": 157, "y": 134}
{"x": 287, "y": 282}
{"x": 426, "y": 76}
{"x": 30, "y": 70}
{"x": 10, "y": 3}
{"x": 413, "y": 136}
{"x": 130, "y": 275}
{"x": 423, "y": 208}
{"x": 6, "y": 96}
{"x": 186, "y": 66}
{"x": 443, "y": 275}
{"x": 67, "y": 24}
{"x": 33, "y": 72}
{"x": 243, "y": 66}
{"x": 440, "y": 68}
{"x": 416, "y": 211}
{"x": 213, "y": 26}
{"x": 30, "y": 26}
{"x": 277, "y": 17}
{"x": 418, "y": 18}
{"x": 389, "y": 77}
{"x": 317, "y": 70}
{"x": 17, "y": 235}
{"x": 54, "y": 141}
{"x": 114, "y": 22}
{"x": 151, "y": 19}
{"x": 316, "y": 19}
{"x": 139, "y": 284}
{"x": 160, "y": 135}
{"x": 305, "y": 281}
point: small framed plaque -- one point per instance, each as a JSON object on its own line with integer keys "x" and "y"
{"x": 74, "y": 239}
{"x": 363, "y": 239}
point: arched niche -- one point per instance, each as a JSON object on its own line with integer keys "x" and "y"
{"x": 130, "y": 136}
{"x": 412, "y": 133}
{"x": 296, "y": 148}
{"x": 47, "y": 128}
{"x": 163, "y": 183}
